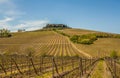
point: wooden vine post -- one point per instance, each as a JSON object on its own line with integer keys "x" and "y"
{"x": 80, "y": 67}
{"x": 31, "y": 60}
{"x": 56, "y": 69}
{"x": 53, "y": 68}
{"x": 2, "y": 64}
{"x": 114, "y": 65}
{"x": 41, "y": 62}
{"x": 17, "y": 66}
{"x": 11, "y": 68}
{"x": 72, "y": 60}
{"x": 85, "y": 65}
{"x": 62, "y": 64}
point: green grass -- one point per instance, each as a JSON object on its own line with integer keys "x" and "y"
{"x": 99, "y": 71}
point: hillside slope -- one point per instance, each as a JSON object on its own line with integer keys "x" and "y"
{"x": 101, "y": 47}
{"x": 52, "y": 43}
{"x": 44, "y": 43}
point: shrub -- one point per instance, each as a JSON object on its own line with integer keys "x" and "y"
{"x": 90, "y": 38}
{"x": 85, "y": 41}
{"x": 113, "y": 54}
{"x": 5, "y": 33}
{"x": 74, "y": 38}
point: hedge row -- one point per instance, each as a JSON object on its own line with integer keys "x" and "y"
{"x": 90, "y": 38}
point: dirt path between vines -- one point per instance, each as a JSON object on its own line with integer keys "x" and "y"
{"x": 107, "y": 73}
{"x": 101, "y": 71}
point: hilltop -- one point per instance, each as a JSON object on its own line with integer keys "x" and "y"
{"x": 55, "y": 26}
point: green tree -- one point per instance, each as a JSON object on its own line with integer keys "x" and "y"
{"x": 5, "y": 33}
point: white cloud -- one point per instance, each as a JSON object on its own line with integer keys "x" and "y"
{"x": 4, "y": 23}
{"x": 10, "y": 11}
{"x": 7, "y": 19}
{"x": 32, "y": 25}
{"x": 27, "y": 25}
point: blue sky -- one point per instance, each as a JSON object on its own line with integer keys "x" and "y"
{"x": 101, "y": 15}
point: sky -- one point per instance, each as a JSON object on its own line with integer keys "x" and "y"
{"x": 100, "y": 15}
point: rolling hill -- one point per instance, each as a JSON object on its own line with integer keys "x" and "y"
{"x": 51, "y": 53}
{"x": 52, "y": 43}
{"x": 44, "y": 42}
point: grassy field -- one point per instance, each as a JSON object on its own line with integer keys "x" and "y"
{"x": 100, "y": 71}
{"x": 77, "y": 31}
{"x": 103, "y": 47}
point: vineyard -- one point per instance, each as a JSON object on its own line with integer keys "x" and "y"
{"x": 46, "y": 42}
{"x": 49, "y": 54}
{"x": 21, "y": 66}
